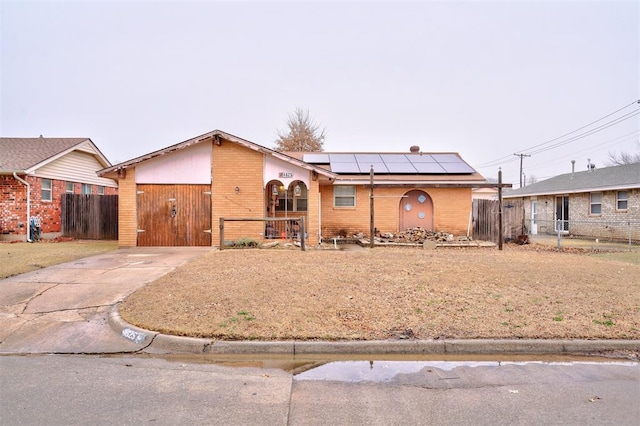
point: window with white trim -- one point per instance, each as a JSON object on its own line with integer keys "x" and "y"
{"x": 69, "y": 187}
{"x": 344, "y": 196}
{"x": 86, "y": 189}
{"x": 100, "y": 190}
{"x": 47, "y": 190}
{"x": 595, "y": 203}
{"x": 622, "y": 200}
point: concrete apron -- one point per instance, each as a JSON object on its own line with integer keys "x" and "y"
{"x": 65, "y": 308}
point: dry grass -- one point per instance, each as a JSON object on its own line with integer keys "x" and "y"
{"x": 521, "y": 292}
{"x": 18, "y": 258}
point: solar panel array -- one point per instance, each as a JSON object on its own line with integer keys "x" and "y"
{"x": 392, "y": 163}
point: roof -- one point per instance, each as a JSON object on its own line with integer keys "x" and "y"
{"x": 22, "y": 155}
{"x": 215, "y": 134}
{"x": 397, "y": 168}
{"x": 455, "y": 172}
{"x": 604, "y": 179}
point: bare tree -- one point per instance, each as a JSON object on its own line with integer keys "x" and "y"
{"x": 624, "y": 157}
{"x": 533, "y": 179}
{"x": 303, "y": 134}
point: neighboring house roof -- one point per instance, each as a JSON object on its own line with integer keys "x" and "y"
{"x": 604, "y": 179}
{"x": 24, "y": 155}
{"x": 215, "y": 134}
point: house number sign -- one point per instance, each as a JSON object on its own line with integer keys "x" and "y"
{"x": 285, "y": 175}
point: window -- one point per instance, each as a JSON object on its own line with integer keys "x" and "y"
{"x": 294, "y": 199}
{"x": 46, "y": 190}
{"x": 621, "y": 201}
{"x": 596, "y": 203}
{"x": 69, "y": 187}
{"x": 86, "y": 189}
{"x": 344, "y": 196}
{"x": 101, "y": 190}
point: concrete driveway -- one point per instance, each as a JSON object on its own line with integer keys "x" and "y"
{"x": 64, "y": 308}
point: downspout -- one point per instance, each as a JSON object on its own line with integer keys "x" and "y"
{"x": 15, "y": 175}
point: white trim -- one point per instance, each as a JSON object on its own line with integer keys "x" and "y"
{"x": 575, "y": 191}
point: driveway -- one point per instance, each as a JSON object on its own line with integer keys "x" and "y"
{"x": 64, "y": 308}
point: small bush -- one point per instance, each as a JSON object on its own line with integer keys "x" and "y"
{"x": 246, "y": 242}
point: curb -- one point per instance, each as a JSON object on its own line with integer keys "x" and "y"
{"x": 155, "y": 342}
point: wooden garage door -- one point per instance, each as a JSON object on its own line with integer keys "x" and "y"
{"x": 174, "y": 215}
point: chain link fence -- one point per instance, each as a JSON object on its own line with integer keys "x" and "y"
{"x": 625, "y": 232}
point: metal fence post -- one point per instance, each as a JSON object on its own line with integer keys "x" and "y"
{"x": 221, "y": 233}
{"x": 302, "y": 234}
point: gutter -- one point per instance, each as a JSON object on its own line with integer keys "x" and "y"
{"x": 15, "y": 175}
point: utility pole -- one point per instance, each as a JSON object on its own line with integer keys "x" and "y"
{"x": 521, "y": 157}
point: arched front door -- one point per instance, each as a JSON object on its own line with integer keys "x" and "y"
{"x": 416, "y": 209}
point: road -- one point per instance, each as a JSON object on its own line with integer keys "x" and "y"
{"x": 81, "y": 389}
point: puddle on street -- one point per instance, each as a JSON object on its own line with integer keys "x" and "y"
{"x": 376, "y": 368}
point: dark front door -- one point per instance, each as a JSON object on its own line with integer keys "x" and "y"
{"x": 174, "y": 215}
{"x": 562, "y": 214}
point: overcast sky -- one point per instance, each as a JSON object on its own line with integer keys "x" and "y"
{"x": 485, "y": 79}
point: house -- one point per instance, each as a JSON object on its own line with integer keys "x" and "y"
{"x": 35, "y": 172}
{"x": 596, "y": 203}
{"x": 484, "y": 193}
{"x": 178, "y": 195}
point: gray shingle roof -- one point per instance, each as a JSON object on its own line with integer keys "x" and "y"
{"x": 19, "y": 154}
{"x": 606, "y": 178}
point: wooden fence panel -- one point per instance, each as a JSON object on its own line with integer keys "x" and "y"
{"x": 90, "y": 217}
{"x": 486, "y": 225}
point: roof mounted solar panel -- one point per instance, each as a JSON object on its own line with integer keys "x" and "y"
{"x": 379, "y": 167}
{"x": 401, "y": 168}
{"x": 454, "y": 168}
{"x": 394, "y": 158}
{"x": 351, "y": 168}
{"x": 342, "y": 158}
{"x": 368, "y": 158}
{"x": 429, "y": 168}
{"x": 447, "y": 158}
{"x": 421, "y": 158}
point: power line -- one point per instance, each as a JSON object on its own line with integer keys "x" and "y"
{"x": 590, "y": 132}
{"x": 574, "y": 138}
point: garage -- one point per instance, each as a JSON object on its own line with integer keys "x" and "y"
{"x": 174, "y": 215}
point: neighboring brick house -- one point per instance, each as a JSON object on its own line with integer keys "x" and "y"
{"x": 177, "y": 195}
{"x": 35, "y": 172}
{"x": 596, "y": 203}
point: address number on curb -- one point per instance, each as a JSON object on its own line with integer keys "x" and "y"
{"x": 134, "y": 336}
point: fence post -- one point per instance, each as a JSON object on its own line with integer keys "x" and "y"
{"x": 221, "y": 233}
{"x": 560, "y": 226}
{"x": 302, "y": 234}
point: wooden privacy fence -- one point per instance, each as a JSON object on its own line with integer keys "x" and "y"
{"x": 486, "y": 225}
{"x": 91, "y": 217}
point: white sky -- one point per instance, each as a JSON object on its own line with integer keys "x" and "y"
{"x": 485, "y": 79}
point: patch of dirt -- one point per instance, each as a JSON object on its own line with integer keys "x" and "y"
{"x": 524, "y": 291}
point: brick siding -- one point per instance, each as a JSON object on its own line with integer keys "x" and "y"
{"x": 13, "y": 205}
{"x": 451, "y": 208}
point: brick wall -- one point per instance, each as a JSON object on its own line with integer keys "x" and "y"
{"x": 236, "y": 166}
{"x": 610, "y": 223}
{"x": 127, "y": 212}
{"x": 451, "y": 207}
{"x": 13, "y": 205}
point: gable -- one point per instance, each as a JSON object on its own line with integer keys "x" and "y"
{"x": 74, "y": 166}
{"x": 191, "y": 165}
